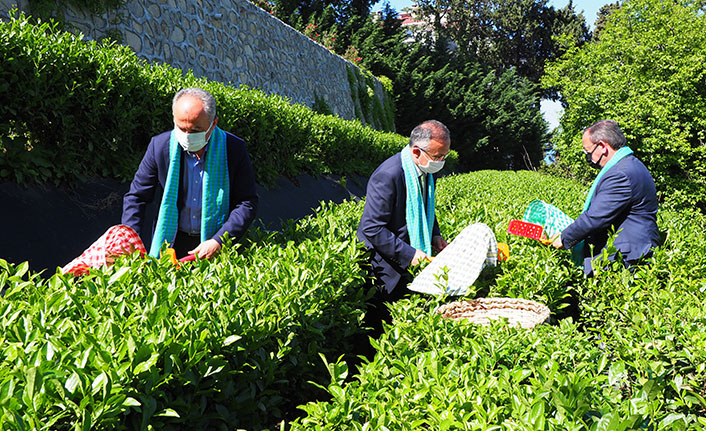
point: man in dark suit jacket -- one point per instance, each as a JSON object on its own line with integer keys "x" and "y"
{"x": 624, "y": 200}
{"x": 383, "y": 226}
{"x": 195, "y": 121}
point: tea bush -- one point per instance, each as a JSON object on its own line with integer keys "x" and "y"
{"x": 211, "y": 345}
{"x": 232, "y": 342}
{"x": 632, "y": 357}
{"x": 74, "y": 108}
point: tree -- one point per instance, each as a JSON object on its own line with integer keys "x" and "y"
{"x": 603, "y": 13}
{"x": 507, "y": 34}
{"x": 298, "y": 13}
{"x": 381, "y": 43}
{"x": 648, "y": 72}
{"x": 494, "y": 117}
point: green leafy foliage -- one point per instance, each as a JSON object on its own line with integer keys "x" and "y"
{"x": 494, "y": 119}
{"x": 491, "y": 109}
{"x": 232, "y": 342}
{"x": 506, "y": 34}
{"x": 47, "y": 8}
{"x": 646, "y": 71}
{"x": 76, "y": 108}
{"x": 368, "y": 107}
{"x": 226, "y": 343}
{"x": 632, "y": 357}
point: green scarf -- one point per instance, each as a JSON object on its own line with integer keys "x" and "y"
{"x": 577, "y": 254}
{"x": 419, "y": 222}
{"x": 215, "y": 199}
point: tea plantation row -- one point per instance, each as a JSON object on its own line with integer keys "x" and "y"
{"x": 632, "y": 357}
{"x": 211, "y": 345}
{"x": 231, "y": 343}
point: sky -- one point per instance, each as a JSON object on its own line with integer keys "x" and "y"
{"x": 589, "y": 7}
{"x": 551, "y": 110}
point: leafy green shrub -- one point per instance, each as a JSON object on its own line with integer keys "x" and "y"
{"x": 76, "y": 108}
{"x": 634, "y": 357}
{"x": 647, "y": 72}
{"x": 320, "y": 106}
{"x": 214, "y": 345}
{"x": 229, "y": 343}
{"x": 368, "y": 108}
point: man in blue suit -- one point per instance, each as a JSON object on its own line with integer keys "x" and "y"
{"x": 622, "y": 199}
{"x": 399, "y": 224}
{"x": 202, "y": 176}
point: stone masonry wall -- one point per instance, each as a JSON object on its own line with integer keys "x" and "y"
{"x": 225, "y": 40}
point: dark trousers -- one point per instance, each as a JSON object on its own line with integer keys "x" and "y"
{"x": 184, "y": 243}
{"x": 376, "y": 313}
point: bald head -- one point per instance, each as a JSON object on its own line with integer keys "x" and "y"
{"x": 430, "y": 130}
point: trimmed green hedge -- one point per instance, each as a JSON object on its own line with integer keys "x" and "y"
{"x": 74, "y": 108}
{"x": 222, "y": 344}
{"x": 634, "y": 357}
{"x": 232, "y": 342}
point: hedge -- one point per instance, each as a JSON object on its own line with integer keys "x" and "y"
{"x": 631, "y": 356}
{"x": 222, "y": 344}
{"x": 77, "y": 108}
{"x": 232, "y": 342}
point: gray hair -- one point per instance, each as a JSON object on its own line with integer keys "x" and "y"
{"x": 209, "y": 102}
{"x": 426, "y": 131}
{"x": 606, "y": 131}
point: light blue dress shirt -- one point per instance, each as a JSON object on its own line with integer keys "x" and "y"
{"x": 192, "y": 185}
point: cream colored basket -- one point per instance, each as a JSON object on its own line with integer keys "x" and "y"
{"x": 518, "y": 312}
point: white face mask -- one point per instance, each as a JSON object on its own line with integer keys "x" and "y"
{"x": 191, "y": 142}
{"x": 432, "y": 167}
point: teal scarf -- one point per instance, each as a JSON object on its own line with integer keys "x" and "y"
{"x": 215, "y": 197}
{"x": 419, "y": 222}
{"x": 577, "y": 255}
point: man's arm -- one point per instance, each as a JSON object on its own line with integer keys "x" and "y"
{"x": 243, "y": 196}
{"x": 437, "y": 241}
{"x": 379, "y": 207}
{"x": 141, "y": 191}
{"x": 612, "y": 197}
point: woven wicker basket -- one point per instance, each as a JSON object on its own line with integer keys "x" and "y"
{"x": 522, "y": 312}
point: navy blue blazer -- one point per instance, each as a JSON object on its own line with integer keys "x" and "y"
{"x": 151, "y": 176}
{"x": 625, "y": 201}
{"x": 383, "y": 226}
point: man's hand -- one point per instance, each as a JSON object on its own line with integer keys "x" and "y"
{"x": 206, "y": 249}
{"x": 438, "y": 243}
{"x": 557, "y": 242}
{"x": 419, "y": 256}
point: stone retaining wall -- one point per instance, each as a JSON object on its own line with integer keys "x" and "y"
{"x": 225, "y": 40}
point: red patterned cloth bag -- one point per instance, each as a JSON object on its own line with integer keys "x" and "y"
{"x": 116, "y": 241}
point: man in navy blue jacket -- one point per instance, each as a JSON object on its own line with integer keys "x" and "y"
{"x": 383, "y": 227}
{"x": 624, "y": 200}
{"x": 195, "y": 121}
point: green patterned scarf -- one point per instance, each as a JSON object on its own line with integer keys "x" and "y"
{"x": 215, "y": 197}
{"x": 419, "y": 222}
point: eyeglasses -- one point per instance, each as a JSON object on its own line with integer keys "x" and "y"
{"x": 434, "y": 158}
{"x": 594, "y": 148}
